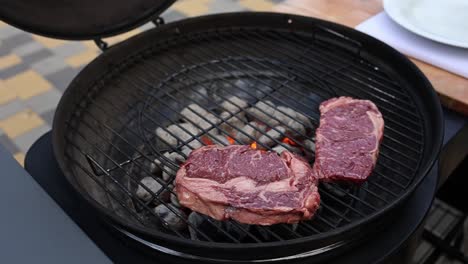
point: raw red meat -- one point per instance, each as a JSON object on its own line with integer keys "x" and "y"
{"x": 248, "y": 185}
{"x": 347, "y": 140}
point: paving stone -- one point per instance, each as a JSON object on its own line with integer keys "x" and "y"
{"x": 173, "y": 15}
{"x": 27, "y": 48}
{"x": 3, "y": 51}
{"x": 49, "y": 65}
{"x": 12, "y": 71}
{"x": 20, "y": 123}
{"x": 25, "y": 140}
{"x": 50, "y": 43}
{"x": 68, "y": 49}
{"x": 8, "y": 32}
{"x": 48, "y": 116}
{"x": 28, "y": 84}
{"x": 44, "y": 102}
{"x": 147, "y": 26}
{"x": 9, "y": 145}
{"x": 257, "y": 5}
{"x": 225, "y": 6}
{"x": 11, "y": 108}
{"x": 19, "y": 157}
{"x": 82, "y": 58}
{"x": 13, "y": 42}
{"x": 9, "y": 61}
{"x": 36, "y": 56}
{"x": 62, "y": 78}
{"x": 79, "y": 68}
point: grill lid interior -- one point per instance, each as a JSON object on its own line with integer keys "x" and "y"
{"x": 80, "y": 20}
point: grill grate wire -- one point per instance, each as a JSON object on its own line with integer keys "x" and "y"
{"x": 155, "y": 85}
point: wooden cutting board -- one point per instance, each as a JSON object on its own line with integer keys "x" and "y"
{"x": 452, "y": 88}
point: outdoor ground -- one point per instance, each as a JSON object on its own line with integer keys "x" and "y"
{"x": 34, "y": 70}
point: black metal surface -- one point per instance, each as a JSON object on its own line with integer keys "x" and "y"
{"x": 104, "y": 127}
{"x": 383, "y": 247}
{"x": 80, "y": 20}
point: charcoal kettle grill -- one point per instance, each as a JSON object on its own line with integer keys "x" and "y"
{"x": 103, "y": 131}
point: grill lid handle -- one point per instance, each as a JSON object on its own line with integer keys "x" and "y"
{"x": 80, "y": 20}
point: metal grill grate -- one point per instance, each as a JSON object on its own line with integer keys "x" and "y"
{"x": 113, "y": 143}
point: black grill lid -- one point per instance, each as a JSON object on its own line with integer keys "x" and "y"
{"x": 80, "y": 20}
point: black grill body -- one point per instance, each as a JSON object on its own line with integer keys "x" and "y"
{"x": 392, "y": 245}
{"x": 104, "y": 125}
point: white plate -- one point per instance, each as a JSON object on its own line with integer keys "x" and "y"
{"x": 445, "y": 21}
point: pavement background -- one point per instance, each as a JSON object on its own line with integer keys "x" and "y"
{"x": 34, "y": 70}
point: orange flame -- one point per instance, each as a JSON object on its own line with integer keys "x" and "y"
{"x": 289, "y": 141}
{"x": 231, "y": 140}
{"x": 254, "y": 145}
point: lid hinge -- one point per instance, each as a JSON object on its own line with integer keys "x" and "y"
{"x": 102, "y": 45}
{"x": 159, "y": 21}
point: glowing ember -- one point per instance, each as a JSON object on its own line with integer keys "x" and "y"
{"x": 207, "y": 141}
{"x": 254, "y": 145}
{"x": 231, "y": 140}
{"x": 289, "y": 141}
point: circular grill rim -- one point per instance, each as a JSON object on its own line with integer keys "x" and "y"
{"x": 105, "y": 60}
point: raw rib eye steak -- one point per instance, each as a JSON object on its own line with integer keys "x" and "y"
{"x": 247, "y": 185}
{"x": 347, "y": 140}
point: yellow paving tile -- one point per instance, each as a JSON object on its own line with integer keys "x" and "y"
{"x": 257, "y": 5}
{"x": 90, "y": 45}
{"x": 113, "y": 40}
{"x": 20, "y": 158}
{"x": 8, "y": 61}
{"x": 28, "y": 84}
{"x": 129, "y": 34}
{"x": 82, "y": 58}
{"x": 48, "y": 42}
{"x": 192, "y": 7}
{"x": 6, "y": 94}
{"x": 20, "y": 123}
